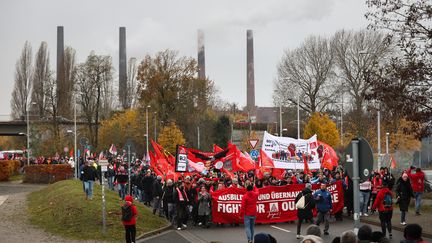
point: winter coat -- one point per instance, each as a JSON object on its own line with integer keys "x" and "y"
{"x": 323, "y": 201}
{"x": 157, "y": 189}
{"x": 192, "y": 193}
{"x": 249, "y": 202}
{"x": 306, "y": 213}
{"x": 176, "y": 196}
{"x": 122, "y": 178}
{"x": 417, "y": 180}
{"x": 404, "y": 191}
{"x": 168, "y": 194}
{"x": 147, "y": 184}
{"x": 89, "y": 173}
{"x": 204, "y": 204}
{"x": 379, "y": 200}
{"x": 129, "y": 200}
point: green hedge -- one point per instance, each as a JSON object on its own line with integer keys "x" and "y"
{"x": 47, "y": 173}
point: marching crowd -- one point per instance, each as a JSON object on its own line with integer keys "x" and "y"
{"x": 187, "y": 200}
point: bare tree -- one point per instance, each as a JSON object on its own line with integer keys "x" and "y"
{"x": 23, "y": 83}
{"x": 306, "y": 71}
{"x": 51, "y": 105}
{"x": 93, "y": 77}
{"x": 40, "y": 78}
{"x": 66, "y": 84}
{"x": 356, "y": 53}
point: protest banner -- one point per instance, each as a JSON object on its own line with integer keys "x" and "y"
{"x": 290, "y": 153}
{"x": 275, "y": 203}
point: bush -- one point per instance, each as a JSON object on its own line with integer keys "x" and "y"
{"x": 47, "y": 173}
{"x": 8, "y": 168}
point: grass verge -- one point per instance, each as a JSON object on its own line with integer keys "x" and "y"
{"x": 61, "y": 209}
{"x": 17, "y": 177}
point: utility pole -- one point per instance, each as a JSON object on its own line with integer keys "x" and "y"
{"x": 280, "y": 120}
{"x": 356, "y": 178}
{"x": 75, "y": 140}
{"x": 379, "y": 139}
{"x": 198, "y": 137}
{"x": 298, "y": 116}
{"x": 155, "y": 131}
{"x": 147, "y": 132}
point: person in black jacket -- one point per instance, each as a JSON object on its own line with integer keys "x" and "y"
{"x": 305, "y": 213}
{"x": 89, "y": 175}
{"x": 157, "y": 195}
{"x": 181, "y": 200}
{"x": 404, "y": 193}
{"x": 168, "y": 200}
{"x": 147, "y": 186}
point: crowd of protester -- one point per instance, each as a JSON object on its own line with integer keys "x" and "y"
{"x": 187, "y": 200}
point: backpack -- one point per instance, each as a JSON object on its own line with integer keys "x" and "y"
{"x": 301, "y": 202}
{"x": 388, "y": 201}
{"x": 126, "y": 212}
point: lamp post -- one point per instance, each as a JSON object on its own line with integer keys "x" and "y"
{"x": 298, "y": 116}
{"x": 379, "y": 138}
{"x": 198, "y": 137}
{"x": 280, "y": 120}
{"x": 387, "y": 143}
{"x": 28, "y": 131}
{"x": 147, "y": 137}
{"x": 75, "y": 141}
{"x": 155, "y": 131}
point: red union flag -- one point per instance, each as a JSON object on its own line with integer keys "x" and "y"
{"x": 275, "y": 203}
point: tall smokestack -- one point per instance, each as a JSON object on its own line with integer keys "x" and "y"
{"x": 201, "y": 55}
{"x": 250, "y": 73}
{"x": 60, "y": 75}
{"x": 122, "y": 68}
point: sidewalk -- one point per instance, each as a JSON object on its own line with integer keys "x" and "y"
{"x": 424, "y": 220}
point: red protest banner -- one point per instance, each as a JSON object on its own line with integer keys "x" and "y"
{"x": 275, "y": 203}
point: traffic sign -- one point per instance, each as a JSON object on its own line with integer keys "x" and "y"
{"x": 253, "y": 142}
{"x": 254, "y": 154}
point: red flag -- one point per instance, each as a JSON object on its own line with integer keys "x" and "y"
{"x": 71, "y": 153}
{"x": 266, "y": 161}
{"x": 327, "y": 156}
{"x": 153, "y": 165}
{"x": 217, "y": 149}
{"x": 393, "y": 162}
{"x": 306, "y": 165}
{"x": 278, "y": 173}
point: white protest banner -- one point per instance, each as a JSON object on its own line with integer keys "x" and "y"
{"x": 290, "y": 153}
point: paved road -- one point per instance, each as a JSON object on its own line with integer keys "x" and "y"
{"x": 14, "y": 187}
{"x": 283, "y": 232}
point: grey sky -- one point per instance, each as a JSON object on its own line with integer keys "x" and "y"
{"x": 153, "y": 26}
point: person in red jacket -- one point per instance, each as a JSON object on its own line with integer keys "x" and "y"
{"x": 385, "y": 208}
{"x": 417, "y": 182}
{"x": 129, "y": 225}
{"x": 249, "y": 211}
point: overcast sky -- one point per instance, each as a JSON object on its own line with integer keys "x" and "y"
{"x": 152, "y": 26}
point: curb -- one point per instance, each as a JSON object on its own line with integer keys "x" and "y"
{"x": 154, "y": 232}
{"x": 395, "y": 227}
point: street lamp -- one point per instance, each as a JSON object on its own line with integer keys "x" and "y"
{"x": 298, "y": 116}
{"x": 28, "y": 131}
{"x": 147, "y": 137}
{"x": 155, "y": 131}
{"x": 363, "y": 53}
{"x": 387, "y": 143}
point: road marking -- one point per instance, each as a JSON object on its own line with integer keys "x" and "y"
{"x": 280, "y": 229}
{"x": 3, "y": 199}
